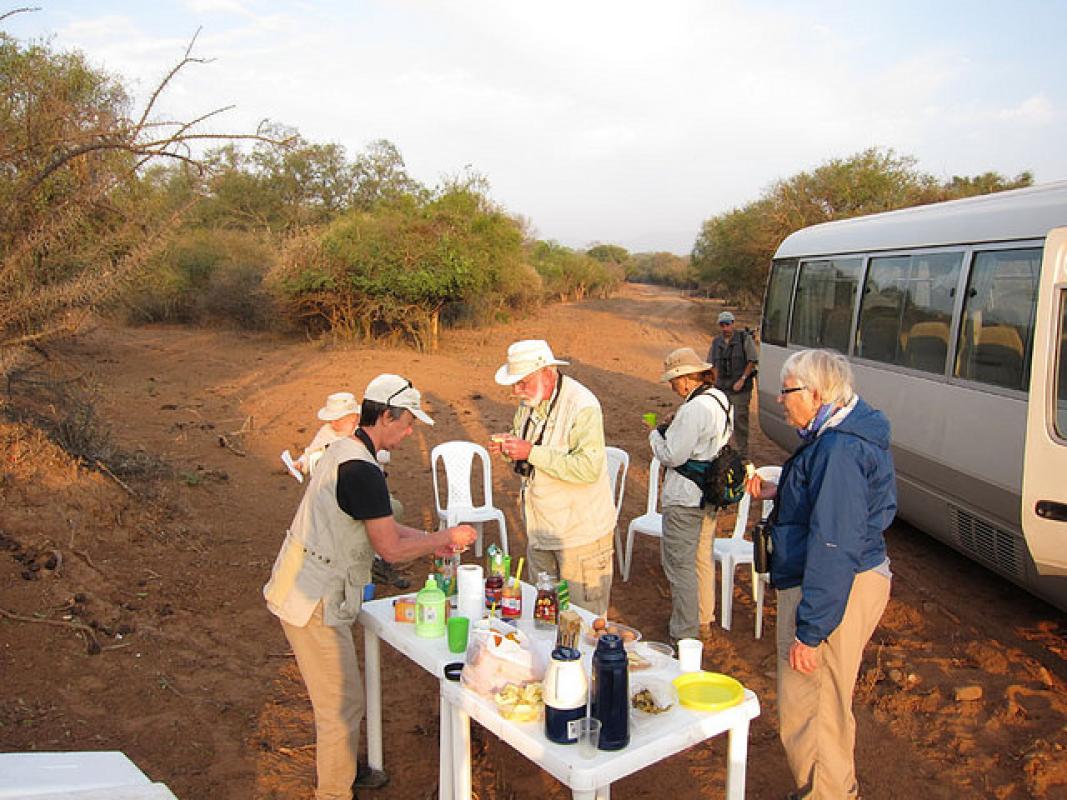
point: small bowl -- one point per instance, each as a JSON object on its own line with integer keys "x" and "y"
{"x": 658, "y": 654}
{"x": 630, "y": 636}
{"x": 663, "y": 692}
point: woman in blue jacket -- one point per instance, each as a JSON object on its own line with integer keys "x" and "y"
{"x": 834, "y": 499}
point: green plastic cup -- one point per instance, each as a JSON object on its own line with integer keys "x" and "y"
{"x": 458, "y": 628}
{"x": 650, "y": 419}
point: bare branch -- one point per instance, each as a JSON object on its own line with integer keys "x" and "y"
{"x": 14, "y": 11}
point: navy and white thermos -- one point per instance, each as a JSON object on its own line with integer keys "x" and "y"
{"x": 610, "y": 692}
{"x": 566, "y": 693}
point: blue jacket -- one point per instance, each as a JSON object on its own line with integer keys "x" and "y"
{"x": 836, "y": 496}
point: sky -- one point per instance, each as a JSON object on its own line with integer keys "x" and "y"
{"x": 606, "y": 121}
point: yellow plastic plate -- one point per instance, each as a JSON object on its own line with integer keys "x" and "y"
{"x": 708, "y": 691}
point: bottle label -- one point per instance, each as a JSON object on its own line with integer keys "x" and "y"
{"x": 572, "y": 728}
{"x": 429, "y": 615}
{"x": 511, "y": 605}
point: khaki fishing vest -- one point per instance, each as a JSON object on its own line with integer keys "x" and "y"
{"x": 559, "y": 513}
{"x": 326, "y": 555}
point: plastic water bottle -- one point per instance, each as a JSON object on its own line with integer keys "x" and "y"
{"x": 430, "y": 610}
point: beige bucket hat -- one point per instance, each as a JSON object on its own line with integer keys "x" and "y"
{"x": 683, "y": 361}
{"x": 339, "y": 404}
{"x": 526, "y": 357}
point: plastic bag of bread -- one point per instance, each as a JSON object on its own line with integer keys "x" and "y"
{"x": 498, "y": 655}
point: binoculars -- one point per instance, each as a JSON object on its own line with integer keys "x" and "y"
{"x": 523, "y": 468}
{"x": 761, "y": 547}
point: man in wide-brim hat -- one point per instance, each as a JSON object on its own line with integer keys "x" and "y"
{"x": 699, "y": 429}
{"x": 556, "y": 445}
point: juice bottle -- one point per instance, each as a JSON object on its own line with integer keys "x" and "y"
{"x": 494, "y": 583}
{"x": 546, "y": 607}
{"x": 511, "y": 600}
{"x": 494, "y": 590}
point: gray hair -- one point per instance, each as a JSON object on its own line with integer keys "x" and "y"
{"x": 825, "y": 371}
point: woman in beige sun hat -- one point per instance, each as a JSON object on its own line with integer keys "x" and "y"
{"x": 699, "y": 429}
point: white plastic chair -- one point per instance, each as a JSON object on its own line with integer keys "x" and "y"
{"x": 458, "y": 459}
{"x": 618, "y": 466}
{"x": 650, "y": 523}
{"x": 737, "y": 550}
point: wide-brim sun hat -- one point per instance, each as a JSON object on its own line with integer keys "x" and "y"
{"x": 395, "y": 391}
{"x": 683, "y": 361}
{"x": 338, "y": 405}
{"x": 524, "y": 358}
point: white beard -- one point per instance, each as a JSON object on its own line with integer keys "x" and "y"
{"x": 535, "y": 401}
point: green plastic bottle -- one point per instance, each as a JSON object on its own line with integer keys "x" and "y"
{"x": 430, "y": 610}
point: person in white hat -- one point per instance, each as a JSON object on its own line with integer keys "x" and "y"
{"x": 340, "y": 416}
{"x": 699, "y": 429}
{"x": 735, "y": 357}
{"x": 556, "y": 445}
{"x": 316, "y": 585}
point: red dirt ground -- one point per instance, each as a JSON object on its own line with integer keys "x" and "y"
{"x": 195, "y": 682}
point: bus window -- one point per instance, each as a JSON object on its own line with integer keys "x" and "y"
{"x": 928, "y": 310}
{"x": 906, "y": 311}
{"x": 996, "y": 334}
{"x": 826, "y": 293}
{"x": 1061, "y": 370}
{"x": 779, "y": 294}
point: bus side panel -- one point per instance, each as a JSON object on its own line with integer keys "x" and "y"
{"x": 948, "y": 486}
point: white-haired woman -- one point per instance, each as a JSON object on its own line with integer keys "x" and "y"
{"x": 834, "y": 500}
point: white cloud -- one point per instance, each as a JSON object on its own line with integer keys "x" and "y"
{"x": 1035, "y": 110}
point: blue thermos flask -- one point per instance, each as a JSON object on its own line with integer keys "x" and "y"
{"x": 610, "y": 692}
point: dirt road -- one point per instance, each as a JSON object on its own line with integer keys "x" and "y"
{"x": 195, "y": 681}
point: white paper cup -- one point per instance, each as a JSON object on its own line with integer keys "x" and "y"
{"x": 690, "y": 654}
{"x": 588, "y": 737}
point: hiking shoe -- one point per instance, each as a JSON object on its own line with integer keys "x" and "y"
{"x": 367, "y": 778}
{"x": 384, "y": 572}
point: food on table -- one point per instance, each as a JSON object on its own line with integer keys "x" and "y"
{"x": 637, "y": 662}
{"x": 520, "y": 703}
{"x": 645, "y": 701}
{"x": 600, "y": 627}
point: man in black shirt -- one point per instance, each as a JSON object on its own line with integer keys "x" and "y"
{"x": 316, "y": 586}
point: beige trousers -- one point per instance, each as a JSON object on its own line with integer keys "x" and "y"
{"x": 586, "y": 568}
{"x": 326, "y": 656}
{"x": 686, "y": 555}
{"x": 815, "y": 719}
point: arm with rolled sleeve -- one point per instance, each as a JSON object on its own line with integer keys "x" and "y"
{"x": 839, "y": 518}
{"x": 584, "y": 458}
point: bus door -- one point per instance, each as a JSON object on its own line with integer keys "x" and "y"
{"x": 1044, "y": 510}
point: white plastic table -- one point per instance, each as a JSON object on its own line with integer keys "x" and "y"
{"x": 378, "y": 621}
{"x": 93, "y": 775}
{"x": 652, "y": 740}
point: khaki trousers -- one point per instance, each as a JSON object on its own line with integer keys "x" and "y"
{"x": 816, "y": 724}
{"x": 586, "y": 568}
{"x": 688, "y": 563}
{"x": 326, "y": 656}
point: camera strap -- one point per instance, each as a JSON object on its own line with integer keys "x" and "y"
{"x": 548, "y": 415}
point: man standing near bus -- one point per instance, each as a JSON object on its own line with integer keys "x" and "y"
{"x": 735, "y": 357}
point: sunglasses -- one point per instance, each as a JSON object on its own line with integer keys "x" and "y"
{"x": 407, "y": 385}
{"x": 791, "y": 389}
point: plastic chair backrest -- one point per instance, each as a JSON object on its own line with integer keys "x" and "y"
{"x": 458, "y": 460}
{"x": 768, "y": 474}
{"x": 653, "y": 486}
{"x": 618, "y": 465}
